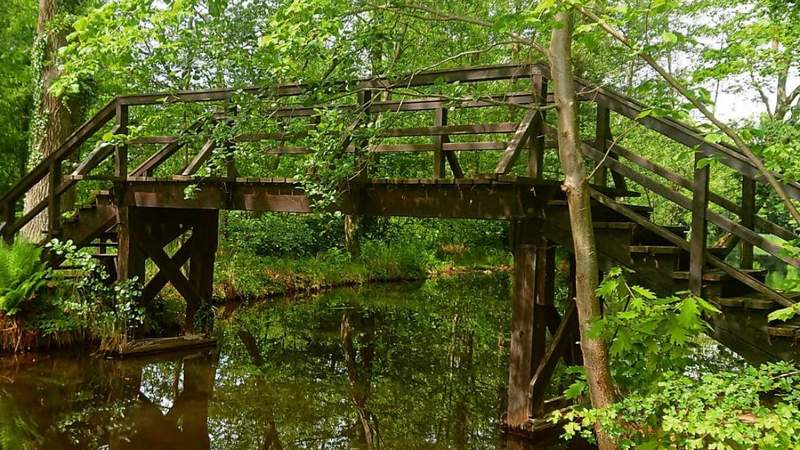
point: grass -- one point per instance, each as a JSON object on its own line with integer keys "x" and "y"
{"x": 243, "y": 275}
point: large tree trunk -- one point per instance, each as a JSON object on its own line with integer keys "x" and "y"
{"x": 595, "y": 353}
{"x": 53, "y": 120}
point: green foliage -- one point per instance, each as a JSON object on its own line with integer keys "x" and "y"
{"x": 648, "y": 336}
{"x": 110, "y": 311}
{"x": 751, "y": 408}
{"x": 23, "y": 275}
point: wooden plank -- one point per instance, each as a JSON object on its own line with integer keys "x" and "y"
{"x": 201, "y": 157}
{"x": 699, "y": 233}
{"x": 602, "y": 136}
{"x": 544, "y": 372}
{"x": 473, "y": 146}
{"x": 54, "y": 199}
{"x": 425, "y": 78}
{"x": 173, "y": 273}
{"x": 514, "y": 146}
{"x": 402, "y": 148}
{"x": 148, "y": 140}
{"x": 78, "y": 137}
{"x": 748, "y": 217}
{"x": 102, "y": 151}
{"x": 151, "y": 164}
{"x": 455, "y": 130}
{"x": 159, "y": 280}
{"x": 522, "y": 329}
{"x": 121, "y": 150}
{"x": 140, "y": 347}
{"x": 674, "y": 130}
{"x": 440, "y": 121}
{"x": 536, "y": 142}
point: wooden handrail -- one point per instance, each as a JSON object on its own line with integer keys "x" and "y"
{"x": 684, "y": 202}
{"x": 672, "y": 129}
{"x": 66, "y": 149}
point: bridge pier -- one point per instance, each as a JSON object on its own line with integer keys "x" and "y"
{"x": 533, "y": 357}
{"x": 147, "y": 233}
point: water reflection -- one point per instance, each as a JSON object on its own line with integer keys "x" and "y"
{"x": 389, "y": 367}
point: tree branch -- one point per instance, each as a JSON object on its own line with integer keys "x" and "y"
{"x": 675, "y": 84}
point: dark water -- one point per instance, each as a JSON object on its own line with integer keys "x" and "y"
{"x": 390, "y": 367}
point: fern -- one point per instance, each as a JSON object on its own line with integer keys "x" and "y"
{"x": 22, "y": 275}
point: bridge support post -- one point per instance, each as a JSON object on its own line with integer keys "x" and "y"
{"x": 528, "y": 316}
{"x": 148, "y": 232}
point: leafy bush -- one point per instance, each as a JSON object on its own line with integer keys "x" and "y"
{"x": 22, "y": 275}
{"x": 668, "y": 400}
{"x": 110, "y": 311}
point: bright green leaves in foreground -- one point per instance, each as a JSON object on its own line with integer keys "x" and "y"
{"x": 648, "y": 335}
{"x": 752, "y": 408}
{"x": 670, "y": 398}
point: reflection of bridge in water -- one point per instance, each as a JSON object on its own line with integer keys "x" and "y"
{"x": 147, "y": 208}
{"x": 353, "y": 378}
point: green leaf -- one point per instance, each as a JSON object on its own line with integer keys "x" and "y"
{"x": 784, "y": 314}
{"x": 669, "y": 37}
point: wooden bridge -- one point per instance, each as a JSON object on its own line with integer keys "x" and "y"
{"x": 144, "y": 209}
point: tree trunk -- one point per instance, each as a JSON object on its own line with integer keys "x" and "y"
{"x": 351, "y": 238}
{"x": 595, "y": 353}
{"x": 53, "y": 120}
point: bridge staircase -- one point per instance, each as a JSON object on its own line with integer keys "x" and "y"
{"x": 138, "y": 213}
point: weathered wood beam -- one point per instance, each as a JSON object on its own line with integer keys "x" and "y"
{"x": 686, "y": 203}
{"x": 697, "y": 244}
{"x": 159, "y": 280}
{"x": 544, "y": 372}
{"x": 514, "y": 146}
{"x": 201, "y": 157}
{"x": 520, "y": 366}
{"x": 172, "y": 272}
{"x": 717, "y": 199}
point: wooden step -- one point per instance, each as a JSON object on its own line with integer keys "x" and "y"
{"x": 656, "y": 249}
{"x": 754, "y": 301}
{"x": 718, "y": 275}
{"x": 784, "y": 331}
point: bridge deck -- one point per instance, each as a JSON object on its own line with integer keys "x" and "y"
{"x": 478, "y": 198}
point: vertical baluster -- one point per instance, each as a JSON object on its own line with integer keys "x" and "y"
{"x": 230, "y": 146}
{"x": 699, "y": 226}
{"x": 440, "y": 120}
{"x": 55, "y": 177}
{"x": 360, "y": 146}
{"x": 748, "y": 219}
{"x": 9, "y": 217}
{"x": 602, "y": 135}
{"x": 536, "y": 137}
{"x": 121, "y": 153}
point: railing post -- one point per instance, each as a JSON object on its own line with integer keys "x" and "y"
{"x": 536, "y": 139}
{"x": 440, "y": 120}
{"x": 602, "y": 135}
{"x": 748, "y": 219}
{"x": 54, "y": 180}
{"x": 230, "y": 146}
{"x": 697, "y": 244}
{"x": 360, "y": 147}
{"x": 121, "y": 153}
{"x": 9, "y": 216}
